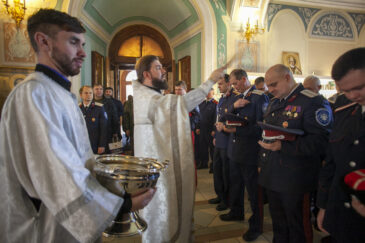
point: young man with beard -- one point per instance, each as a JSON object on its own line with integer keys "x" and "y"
{"x": 47, "y": 192}
{"x": 162, "y": 131}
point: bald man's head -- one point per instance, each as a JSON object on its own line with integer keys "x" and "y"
{"x": 312, "y": 83}
{"x": 279, "y": 80}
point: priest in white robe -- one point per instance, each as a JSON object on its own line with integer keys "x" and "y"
{"x": 162, "y": 131}
{"x": 47, "y": 191}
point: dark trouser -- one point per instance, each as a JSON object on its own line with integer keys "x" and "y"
{"x": 245, "y": 176}
{"x": 236, "y": 189}
{"x": 206, "y": 147}
{"x": 221, "y": 173}
{"x": 290, "y": 217}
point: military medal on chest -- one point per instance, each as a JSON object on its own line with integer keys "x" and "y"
{"x": 292, "y": 111}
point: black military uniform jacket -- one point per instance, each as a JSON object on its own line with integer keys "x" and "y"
{"x": 243, "y": 146}
{"x": 96, "y": 122}
{"x": 113, "y": 126}
{"x": 118, "y": 105}
{"x": 295, "y": 167}
{"x": 346, "y": 153}
{"x": 194, "y": 117}
{"x": 208, "y": 114}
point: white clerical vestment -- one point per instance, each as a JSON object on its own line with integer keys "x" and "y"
{"x": 45, "y": 154}
{"x": 162, "y": 131}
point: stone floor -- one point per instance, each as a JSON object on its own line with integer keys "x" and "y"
{"x": 207, "y": 225}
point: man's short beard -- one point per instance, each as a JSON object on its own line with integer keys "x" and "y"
{"x": 160, "y": 83}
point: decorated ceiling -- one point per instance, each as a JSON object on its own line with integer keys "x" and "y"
{"x": 172, "y": 16}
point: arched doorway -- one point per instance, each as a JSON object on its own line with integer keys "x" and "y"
{"x": 131, "y": 43}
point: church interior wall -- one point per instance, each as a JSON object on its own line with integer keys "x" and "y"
{"x": 192, "y": 48}
{"x": 93, "y": 43}
{"x": 286, "y": 34}
{"x": 301, "y": 29}
{"x": 289, "y": 27}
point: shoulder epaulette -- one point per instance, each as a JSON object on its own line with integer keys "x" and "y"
{"x": 258, "y": 92}
{"x": 308, "y": 93}
{"x": 236, "y": 92}
{"x": 345, "y": 107}
{"x": 99, "y": 104}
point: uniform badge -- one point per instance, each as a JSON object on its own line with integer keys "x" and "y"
{"x": 285, "y": 124}
{"x": 323, "y": 117}
{"x": 93, "y": 119}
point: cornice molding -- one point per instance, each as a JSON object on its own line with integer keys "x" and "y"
{"x": 350, "y": 5}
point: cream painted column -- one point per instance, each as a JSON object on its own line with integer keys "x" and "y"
{"x": 209, "y": 40}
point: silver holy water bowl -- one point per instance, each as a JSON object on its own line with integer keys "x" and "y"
{"x": 134, "y": 175}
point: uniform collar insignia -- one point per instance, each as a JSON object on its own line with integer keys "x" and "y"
{"x": 345, "y": 106}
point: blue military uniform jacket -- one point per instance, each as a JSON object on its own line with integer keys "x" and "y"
{"x": 225, "y": 105}
{"x": 243, "y": 146}
{"x": 295, "y": 167}
{"x": 346, "y": 153}
{"x": 96, "y": 122}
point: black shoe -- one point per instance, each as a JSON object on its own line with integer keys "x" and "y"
{"x": 210, "y": 171}
{"x": 251, "y": 235}
{"x": 326, "y": 239}
{"x": 221, "y": 206}
{"x": 231, "y": 217}
{"x": 202, "y": 167}
{"x": 214, "y": 200}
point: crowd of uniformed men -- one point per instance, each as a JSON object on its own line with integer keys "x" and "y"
{"x": 104, "y": 116}
{"x": 288, "y": 145}
{"x": 281, "y": 140}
